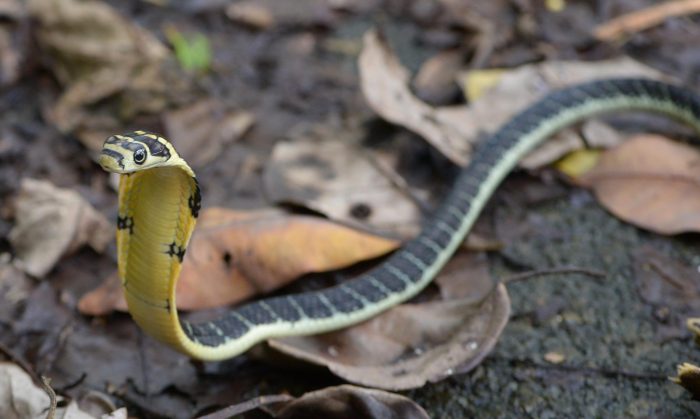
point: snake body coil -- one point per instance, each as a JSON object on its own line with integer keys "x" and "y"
{"x": 159, "y": 202}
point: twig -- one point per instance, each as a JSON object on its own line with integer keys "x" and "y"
{"x": 247, "y": 405}
{"x": 20, "y": 361}
{"x": 555, "y": 271}
{"x": 46, "y": 384}
{"x": 644, "y": 19}
{"x": 588, "y": 371}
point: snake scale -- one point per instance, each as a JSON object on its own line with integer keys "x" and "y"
{"x": 159, "y": 200}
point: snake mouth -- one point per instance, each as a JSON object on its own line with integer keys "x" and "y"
{"x": 111, "y": 161}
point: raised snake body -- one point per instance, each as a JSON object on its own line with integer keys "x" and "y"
{"x": 159, "y": 201}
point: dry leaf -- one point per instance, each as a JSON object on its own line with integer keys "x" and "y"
{"x": 242, "y": 254}
{"x": 412, "y": 344}
{"x": 667, "y": 281}
{"x": 578, "y": 162}
{"x": 346, "y": 401}
{"x": 329, "y": 173}
{"x": 97, "y": 53}
{"x": 200, "y": 132}
{"x": 20, "y": 398}
{"x": 454, "y": 130}
{"x": 652, "y": 182}
{"x": 384, "y": 84}
{"x": 51, "y": 222}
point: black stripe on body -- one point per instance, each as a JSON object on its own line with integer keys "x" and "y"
{"x": 195, "y": 200}
{"x": 125, "y": 223}
{"x": 175, "y": 250}
{"x": 399, "y": 270}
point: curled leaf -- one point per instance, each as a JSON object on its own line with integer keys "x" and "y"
{"x": 414, "y": 343}
{"x": 349, "y": 401}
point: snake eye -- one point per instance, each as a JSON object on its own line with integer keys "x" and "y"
{"x": 139, "y": 156}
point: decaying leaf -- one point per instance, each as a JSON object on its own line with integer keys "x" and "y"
{"x": 331, "y": 174}
{"x": 20, "y": 398}
{"x": 52, "y": 222}
{"x": 347, "y": 401}
{"x": 201, "y": 131}
{"x": 342, "y": 402}
{"x": 652, "y": 182}
{"x": 236, "y": 255}
{"x": 384, "y": 83}
{"x": 689, "y": 378}
{"x": 414, "y": 343}
{"x": 97, "y": 53}
{"x": 454, "y": 130}
{"x": 667, "y": 281}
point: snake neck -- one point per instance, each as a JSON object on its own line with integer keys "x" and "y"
{"x": 154, "y": 231}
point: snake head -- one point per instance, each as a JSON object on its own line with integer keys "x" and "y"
{"x": 135, "y": 151}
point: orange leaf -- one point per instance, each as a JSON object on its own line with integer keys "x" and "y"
{"x": 236, "y": 255}
{"x": 652, "y": 182}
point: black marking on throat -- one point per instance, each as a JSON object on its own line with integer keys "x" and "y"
{"x": 125, "y": 223}
{"x": 175, "y": 250}
{"x": 195, "y": 200}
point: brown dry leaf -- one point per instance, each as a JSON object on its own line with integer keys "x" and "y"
{"x": 97, "y": 53}
{"x": 20, "y": 398}
{"x": 342, "y": 402}
{"x": 242, "y": 254}
{"x": 329, "y": 173}
{"x": 646, "y": 18}
{"x": 347, "y": 401}
{"x": 201, "y": 131}
{"x": 412, "y": 344}
{"x": 652, "y": 182}
{"x": 454, "y": 130}
{"x": 52, "y": 222}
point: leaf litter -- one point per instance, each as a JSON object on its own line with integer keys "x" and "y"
{"x": 455, "y": 130}
{"x": 91, "y": 123}
{"x": 52, "y": 222}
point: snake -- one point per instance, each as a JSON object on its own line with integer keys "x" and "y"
{"x": 160, "y": 200}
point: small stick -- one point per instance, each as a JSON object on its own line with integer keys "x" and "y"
{"x": 46, "y": 384}
{"x": 555, "y": 271}
{"x": 644, "y": 19}
{"x": 247, "y": 405}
